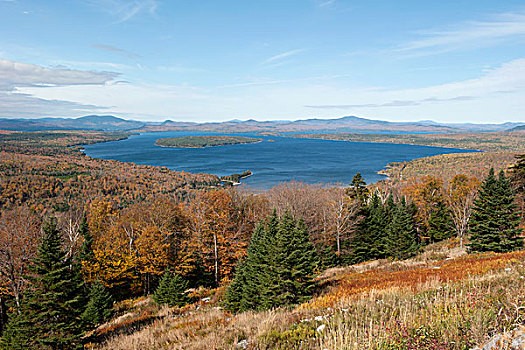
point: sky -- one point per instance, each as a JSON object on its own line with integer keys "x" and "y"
{"x": 209, "y": 60}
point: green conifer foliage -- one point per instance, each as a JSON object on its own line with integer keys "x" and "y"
{"x": 99, "y": 307}
{"x": 368, "y": 242}
{"x": 86, "y": 250}
{"x": 358, "y": 189}
{"x": 402, "y": 240}
{"x": 278, "y": 270}
{"x": 171, "y": 290}
{"x": 494, "y": 221}
{"x": 295, "y": 262}
{"x": 50, "y": 312}
{"x": 440, "y": 223}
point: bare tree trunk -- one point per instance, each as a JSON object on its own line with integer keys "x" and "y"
{"x": 216, "y": 259}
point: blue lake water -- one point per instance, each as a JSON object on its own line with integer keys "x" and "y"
{"x": 282, "y": 159}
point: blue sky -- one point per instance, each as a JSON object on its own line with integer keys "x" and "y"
{"x": 449, "y": 61}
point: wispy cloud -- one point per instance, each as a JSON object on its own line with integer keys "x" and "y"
{"x": 283, "y": 55}
{"x": 124, "y": 10}
{"x": 15, "y": 74}
{"x": 466, "y": 35}
{"x": 264, "y": 81}
{"x": 326, "y": 3}
{"x": 117, "y": 50}
{"x": 395, "y": 103}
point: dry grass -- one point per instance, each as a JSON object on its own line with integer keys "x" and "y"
{"x": 443, "y": 304}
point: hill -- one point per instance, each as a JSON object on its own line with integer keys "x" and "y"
{"x": 442, "y": 299}
{"x": 90, "y": 122}
{"x": 519, "y": 128}
{"x": 343, "y": 124}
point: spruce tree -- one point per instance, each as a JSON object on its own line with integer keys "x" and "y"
{"x": 296, "y": 262}
{"x": 234, "y": 299}
{"x": 86, "y": 250}
{"x": 278, "y": 269}
{"x": 402, "y": 240}
{"x": 254, "y": 281}
{"x": 99, "y": 306}
{"x": 494, "y": 224}
{"x": 171, "y": 290}
{"x": 358, "y": 188}
{"x": 50, "y": 311}
{"x": 440, "y": 223}
{"x": 368, "y": 241}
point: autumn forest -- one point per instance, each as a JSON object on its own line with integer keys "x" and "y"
{"x": 126, "y": 232}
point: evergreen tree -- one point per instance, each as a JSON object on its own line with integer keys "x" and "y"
{"x": 86, "y": 250}
{"x": 255, "y": 279}
{"x": 171, "y": 290}
{"x": 494, "y": 221}
{"x": 402, "y": 240}
{"x": 296, "y": 261}
{"x": 440, "y": 223}
{"x": 278, "y": 269}
{"x": 50, "y": 312}
{"x": 358, "y": 188}
{"x": 234, "y": 300}
{"x": 99, "y": 307}
{"x": 368, "y": 242}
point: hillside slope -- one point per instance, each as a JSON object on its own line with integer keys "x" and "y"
{"x": 442, "y": 299}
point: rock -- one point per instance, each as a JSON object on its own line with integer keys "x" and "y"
{"x": 206, "y": 300}
{"x": 321, "y": 328}
{"x": 319, "y": 318}
{"x": 243, "y": 344}
{"x": 514, "y": 340}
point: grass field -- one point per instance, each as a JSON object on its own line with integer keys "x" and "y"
{"x": 441, "y": 299}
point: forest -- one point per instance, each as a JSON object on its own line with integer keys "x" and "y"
{"x": 205, "y": 141}
{"x": 80, "y": 237}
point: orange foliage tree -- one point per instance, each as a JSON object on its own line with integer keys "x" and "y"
{"x": 214, "y": 228}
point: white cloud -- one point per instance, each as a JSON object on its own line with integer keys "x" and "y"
{"x": 466, "y": 35}
{"x": 116, "y": 50}
{"x": 14, "y": 74}
{"x": 124, "y": 10}
{"x": 282, "y": 56}
{"x": 497, "y": 95}
{"x": 326, "y": 3}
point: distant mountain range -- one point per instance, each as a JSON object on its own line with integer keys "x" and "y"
{"x": 344, "y": 124}
{"x": 89, "y": 122}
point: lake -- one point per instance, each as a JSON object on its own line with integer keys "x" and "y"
{"x": 275, "y": 160}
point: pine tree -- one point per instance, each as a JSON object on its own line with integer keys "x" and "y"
{"x": 296, "y": 261}
{"x": 494, "y": 221}
{"x": 368, "y": 242}
{"x": 278, "y": 270}
{"x": 171, "y": 290}
{"x": 234, "y": 300}
{"x": 50, "y": 312}
{"x": 440, "y": 223}
{"x": 358, "y": 188}
{"x": 402, "y": 240}
{"x": 86, "y": 250}
{"x": 255, "y": 278}
{"x": 99, "y": 307}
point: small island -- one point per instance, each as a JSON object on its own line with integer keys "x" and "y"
{"x": 205, "y": 141}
